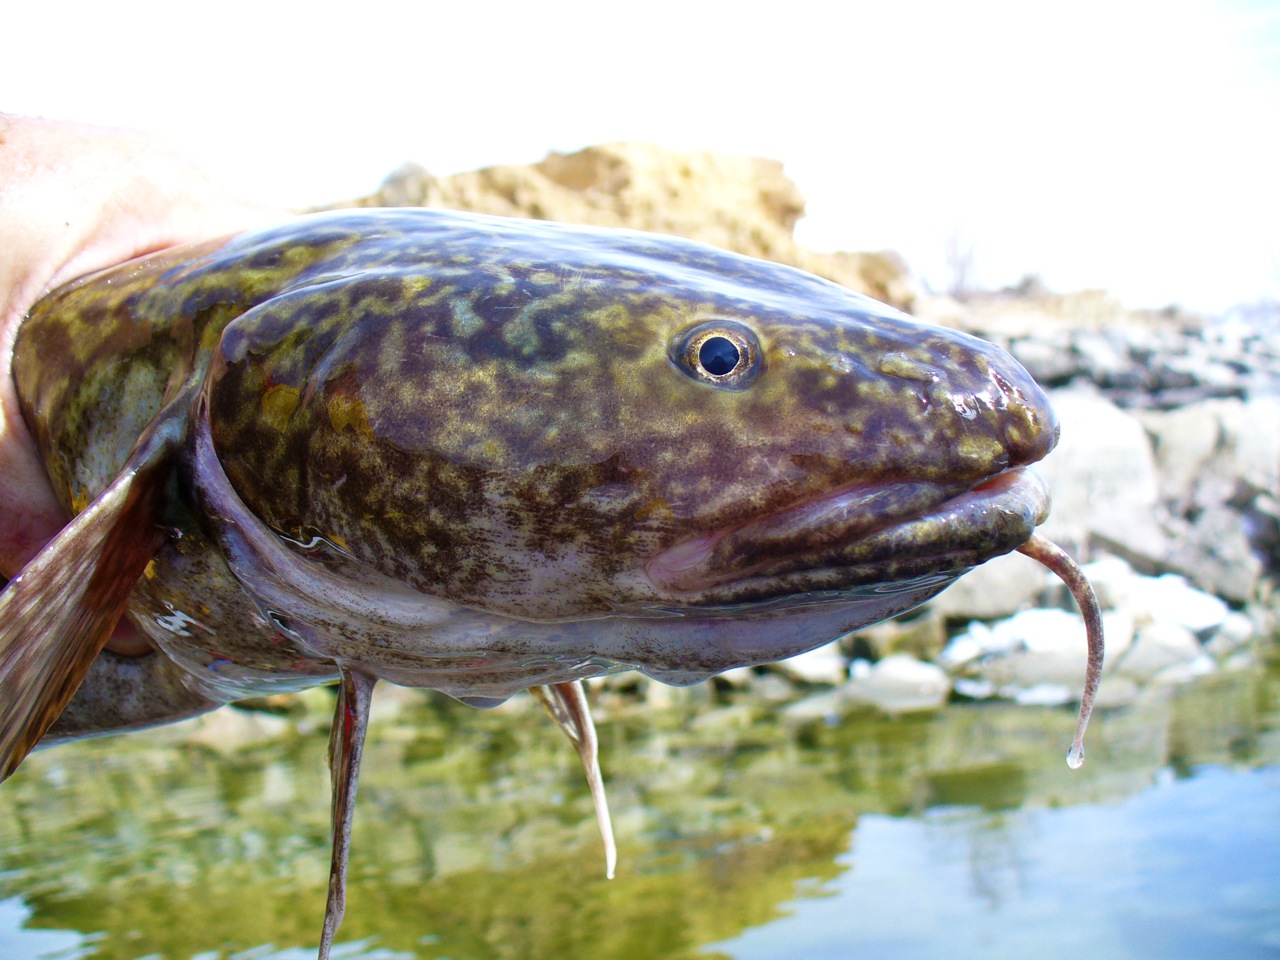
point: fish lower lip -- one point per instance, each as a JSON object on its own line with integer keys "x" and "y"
{"x": 863, "y": 534}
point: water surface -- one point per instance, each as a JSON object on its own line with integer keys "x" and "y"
{"x": 742, "y": 835}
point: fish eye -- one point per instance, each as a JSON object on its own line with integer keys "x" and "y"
{"x": 719, "y": 356}
{"x": 721, "y": 353}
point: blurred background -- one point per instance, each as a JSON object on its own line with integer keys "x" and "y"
{"x": 1129, "y": 146}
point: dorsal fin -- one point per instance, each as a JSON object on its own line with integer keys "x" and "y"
{"x": 58, "y": 612}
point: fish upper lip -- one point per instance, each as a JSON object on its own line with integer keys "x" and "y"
{"x": 904, "y": 526}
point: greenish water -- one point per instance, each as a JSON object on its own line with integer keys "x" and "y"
{"x": 742, "y": 835}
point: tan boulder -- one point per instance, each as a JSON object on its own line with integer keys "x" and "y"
{"x": 746, "y": 204}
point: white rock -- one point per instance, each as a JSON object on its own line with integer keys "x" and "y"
{"x": 974, "y": 689}
{"x": 963, "y": 650}
{"x": 1048, "y": 646}
{"x": 1186, "y": 441}
{"x": 1048, "y": 631}
{"x": 1252, "y": 435}
{"x": 1177, "y": 673}
{"x": 996, "y": 589}
{"x": 1157, "y": 647}
{"x": 1240, "y": 660}
{"x": 1102, "y": 476}
{"x": 738, "y": 677}
{"x": 978, "y": 640}
{"x": 1042, "y": 695}
{"x": 1170, "y": 599}
{"x": 1111, "y": 578}
{"x": 1116, "y": 691}
{"x": 1235, "y": 632}
{"x": 1022, "y": 670}
{"x": 738, "y": 716}
{"x": 821, "y": 665}
{"x": 773, "y": 688}
{"x": 899, "y": 684}
{"x": 1118, "y": 629}
{"x": 1219, "y": 460}
{"x": 1033, "y": 647}
{"x": 826, "y": 706}
{"x": 231, "y": 728}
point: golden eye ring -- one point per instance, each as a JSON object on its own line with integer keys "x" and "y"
{"x": 719, "y": 353}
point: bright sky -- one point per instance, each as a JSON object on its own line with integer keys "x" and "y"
{"x": 1127, "y": 145}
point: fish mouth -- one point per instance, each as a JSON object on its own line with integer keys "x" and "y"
{"x": 857, "y": 535}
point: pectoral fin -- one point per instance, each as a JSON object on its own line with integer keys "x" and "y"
{"x": 58, "y": 612}
{"x": 567, "y": 704}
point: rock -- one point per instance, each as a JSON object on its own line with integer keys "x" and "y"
{"x": 739, "y": 678}
{"x": 771, "y": 687}
{"x": 747, "y": 204}
{"x": 1043, "y": 695}
{"x": 820, "y": 665}
{"x": 1102, "y": 478}
{"x": 922, "y": 633}
{"x": 1214, "y": 550}
{"x": 1219, "y": 465}
{"x": 1185, "y": 441}
{"x": 1170, "y": 599}
{"x": 1179, "y": 673}
{"x": 391, "y": 701}
{"x": 1116, "y": 691}
{"x": 1167, "y": 598}
{"x": 1119, "y": 628}
{"x": 899, "y": 684}
{"x": 1112, "y": 580}
{"x": 1240, "y": 660}
{"x": 229, "y": 729}
{"x": 1010, "y": 316}
{"x": 738, "y": 716}
{"x": 973, "y": 688}
{"x": 996, "y": 589}
{"x": 1049, "y": 359}
{"x": 827, "y": 706}
{"x": 978, "y": 641}
{"x": 1234, "y": 633}
{"x": 1034, "y": 650}
{"x": 1156, "y": 648}
{"x": 1103, "y": 354}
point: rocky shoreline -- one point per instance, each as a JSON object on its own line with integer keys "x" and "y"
{"x": 1166, "y": 481}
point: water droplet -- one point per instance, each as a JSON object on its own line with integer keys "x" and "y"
{"x": 1075, "y": 756}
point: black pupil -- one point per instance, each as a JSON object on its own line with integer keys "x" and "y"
{"x": 718, "y": 356}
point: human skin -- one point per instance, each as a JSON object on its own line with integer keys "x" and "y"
{"x": 75, "y": 199}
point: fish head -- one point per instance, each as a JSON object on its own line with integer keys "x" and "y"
{"x": 560, "y": 424}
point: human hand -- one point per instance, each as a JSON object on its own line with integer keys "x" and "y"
{"x": 75, "y": 199}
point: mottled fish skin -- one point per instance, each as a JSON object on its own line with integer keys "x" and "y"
{"x": 99, "y": 360}
{"x": 507, "y": 416}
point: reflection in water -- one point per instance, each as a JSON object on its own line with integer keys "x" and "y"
{"x": 741, "y": 835}
{"x": 15, "y": 941}
{"x": 1186, "y": 869}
